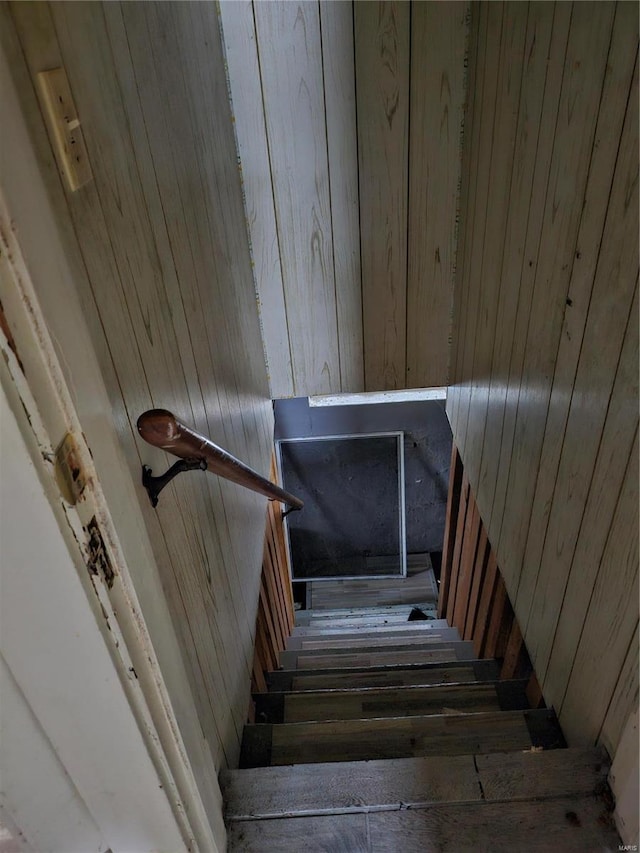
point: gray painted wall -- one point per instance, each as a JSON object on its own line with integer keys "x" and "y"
{"x": 427, "y": 447}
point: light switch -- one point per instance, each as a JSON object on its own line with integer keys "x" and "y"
{"x": 64, "y": 127}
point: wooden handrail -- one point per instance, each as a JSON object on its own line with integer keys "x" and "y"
{"x": 162, "y": 429}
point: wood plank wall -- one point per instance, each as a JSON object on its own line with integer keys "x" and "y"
{"x": 544, "y": 396}
{"x": 473, "y": 597}
{"x": 275, "y": 619}
{"x": 348, "y": 120}
{"x": 159, "y": 246}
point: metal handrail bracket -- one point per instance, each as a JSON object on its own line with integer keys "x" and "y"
{"x": 162, "y": 429}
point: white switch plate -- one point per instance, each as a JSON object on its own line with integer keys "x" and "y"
{"x": 64, "y": 128}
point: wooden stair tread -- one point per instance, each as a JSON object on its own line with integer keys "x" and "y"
{"x": 344, "y": 624}
{"x": 398, "y": 737}
{"x": 380, "y": 676}
{"x": 571, "y": 824}
{"x": 303, "y": 616}
{"x": 377, "y": 655}
{"x": 354, "y": 786}
{"x": 375, "y": 592}
{"x": 371, "y": 702}
{"x": 399, "y": 618}
{"x": 411, "y": 636}
{"x": 382, "y": 627}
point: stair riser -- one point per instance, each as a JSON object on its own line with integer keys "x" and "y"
{"x": 390, "y": 702}
{"x": 348, "y": 627}
{"x": 407, "y": 737}
{"x": 391, "y": 676}
{"x": 378, "y": 656}
{"x": 304, "y": 616}
{"x": 370, "y": 638}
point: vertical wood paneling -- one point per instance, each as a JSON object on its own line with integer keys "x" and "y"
{"x": 170, "y": 300}
{"x": 452, "y": 576}
{"x": 513, "y": 653}
{"x": 102, "y": 268}
{"x": 585, "y": 65}
{"x": 615, "y": 446}
{"x": 349, "y": 254}
{"x": 275, "y": 617}
{"x": 491, "y": 229}
{"x": 289, "y": 48}
{"x": 547, "y": 447}
{"x": 610, "y": 622}
{"x": 336, "y": 22}
{"x": 382, "y": 85}
{"x": 198, "y": 239}
{"x": 438, "y": 32}
{"x": 522, "y": 261}
{"x": 477, "y": 210}
{"x": 241, "y": 52}
{"x": 602, "y": 336}
{"x": 581, "y": 290}
{"x": 467, "y": 564}
{"x": 624, "y": 700}
{"x": 487, "y": 596}
{"x": 451, "y": 523}
{"x": 477, "y": 602}
{"x": 543, "y": 60}
{"x": 477, "y": 583}
{"x": 499, "y": 611}
{"x": 475, "y": 71}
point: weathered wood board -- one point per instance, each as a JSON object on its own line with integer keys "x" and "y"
{"x": 394, "y": 784}
{"x": 544, "y": 396}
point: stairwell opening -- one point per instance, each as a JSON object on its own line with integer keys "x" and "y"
{"x": 419, "y": 417}
{"x": 375, "y": 732}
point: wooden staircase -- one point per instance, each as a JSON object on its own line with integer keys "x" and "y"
{"x": 379, "y": 734}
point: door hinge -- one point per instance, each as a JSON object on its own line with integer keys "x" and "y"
{"x": 98, "y": 562}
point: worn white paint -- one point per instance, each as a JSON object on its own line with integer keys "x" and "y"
{"x": 54, "y": 649}
{"x": 159, "y": 258}
{"x": 39, "y": 799}
{"x": 243, "y": 68}
{"x": 289, "y": 48}
{"x": 382, "y": 56}
{"x": 336, "y": 25}
{"x": 367, "y": 397}
{"x": 74, "y": 393}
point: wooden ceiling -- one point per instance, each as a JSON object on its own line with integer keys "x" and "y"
{"x": 348, "y": 120}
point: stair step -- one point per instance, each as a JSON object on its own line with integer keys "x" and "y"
{"x": 398, "y": 737}
{"x": 348, "y": 622}
{"x": 377, "y": 656}
{"x": 374, "y": 592}
{"x": 367, "y": 703}
{"x": 401, "y": 614}
{"x": 305, "y": 616}
{"x": 369, "y": 638}
{"x": 386, "y": 676}
{"x": 347, "y": 627}
{"x": 570, "y": 824}
{"x": 358, "y": 786}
